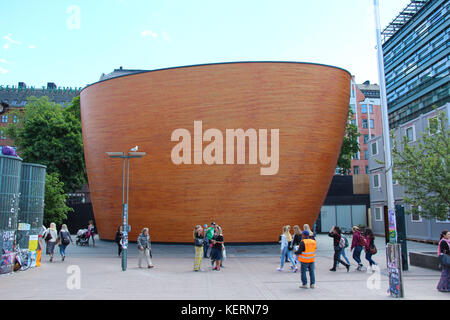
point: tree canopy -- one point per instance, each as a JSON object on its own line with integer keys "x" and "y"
{"x": 350, "y": 145}
{"x": 423, "y": 169}
{"x": 49, "y": 134}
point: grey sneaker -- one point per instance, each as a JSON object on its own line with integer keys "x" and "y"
{"x": 304, "y": 286}
{"x": 312, "y": 286}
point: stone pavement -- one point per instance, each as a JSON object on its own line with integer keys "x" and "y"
{"x": 249, "y": 274}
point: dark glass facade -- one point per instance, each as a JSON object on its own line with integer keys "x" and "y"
{"x": 417, "y": 63}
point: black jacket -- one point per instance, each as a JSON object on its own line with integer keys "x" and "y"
{"x": 336, "y": 238}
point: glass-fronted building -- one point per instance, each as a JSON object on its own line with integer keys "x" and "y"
{"x": 416, "y": 58}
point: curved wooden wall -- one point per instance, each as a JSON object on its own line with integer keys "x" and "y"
{"x": 308, "y": 103}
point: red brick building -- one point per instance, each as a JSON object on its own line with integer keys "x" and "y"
{"x": 365, "y": 103}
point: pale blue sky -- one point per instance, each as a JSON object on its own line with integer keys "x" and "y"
{"x": 73, "y": 42}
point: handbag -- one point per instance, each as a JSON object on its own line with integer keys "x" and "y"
{"x": 198, "y": 242}
{"x": 444, "y": 260}
{"x": 48, "y": 236}
{"x": 373, "y": 250}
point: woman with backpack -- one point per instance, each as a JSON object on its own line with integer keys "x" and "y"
{"x": 50, "y": 236}
{"x": 370, "y": 246}
{"x": 338, "y": 244}
{"x": 343, "y": 250}
{"x": 64, "y": 240}
{"x": 358, "y": 243}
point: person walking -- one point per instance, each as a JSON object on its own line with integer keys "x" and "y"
{"x": 91, "y": 232}
{"x": 216, "y": 252}
{"x": 370, "y": 247}
{"x": 444, "y": 249}
{"x": 307, "y": 228}
{"x": 50, "y": 237}
{"x": 144, "y": 246}
{"x": 64, "y": 240}
{"x": 198, "y": 246}
{"x": 205, "y": 241}
{"x": 338, "y": 244}
{"x": 343, "y": 250}
{"x": 306, "y": 254}
{"x": 118, "y": 240}
{"x": 286, "y": 238}
{"x": 210, "y": 233}
{"x": 357, "y": 246}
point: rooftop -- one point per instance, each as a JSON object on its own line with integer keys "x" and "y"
{"x": 119, "y": 72}
{"x": 402, "y": 18}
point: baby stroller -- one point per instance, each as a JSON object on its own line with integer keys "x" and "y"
{"x": 82, "y": 237}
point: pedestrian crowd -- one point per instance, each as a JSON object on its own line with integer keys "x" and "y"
{"x": 297, "y": 249}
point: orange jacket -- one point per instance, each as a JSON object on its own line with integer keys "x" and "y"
{"x": 309, "y": 254}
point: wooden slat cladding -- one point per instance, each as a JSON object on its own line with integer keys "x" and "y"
{"x": 308, "y": 104}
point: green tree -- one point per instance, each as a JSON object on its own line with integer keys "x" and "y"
{"x": 350, "y": 145}
{"x": 55, "y": 209}
{"x": 49, "y": 134}
{"x": 423, "y": 169}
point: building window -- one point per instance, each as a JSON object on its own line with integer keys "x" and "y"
{"x": 376, "y": 180}
{"x": 444, "y": 221}
{"x": 367, "y": 169}
{"x": 416, "y": 217}
{"x": 356, "y": 156}
{"x": 366, "y": 154}
{"x": 2, "y": 137}
{"x": 4, "y": 118}
{"x": 364, "y": 124}
{"x": 371, "y": 124}
{"x": 410, "y": 134}
{"x": 366, "y": 138}
{"x": 378, "y": 214}
{"x": 370, "y": 108}
{"x": 355, "y": 169}
{"x": 15, "y": 119}
{"x": 433, "y": 125}
{"x": 374, "y": 148}
{"x": 23, "y": 103}
{"x": 364, "y": 108}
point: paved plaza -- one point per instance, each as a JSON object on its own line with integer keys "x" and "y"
{"x": 249, "y": 274}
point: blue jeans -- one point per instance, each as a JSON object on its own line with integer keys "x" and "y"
{"x": 357, "y": 254}
{"x": 343, "y": 255}
{"x": 369, "y": 258}
{"x": 287, "y": 253}
{"x": 62, "y": 250}
{"x": 308, "y": 267}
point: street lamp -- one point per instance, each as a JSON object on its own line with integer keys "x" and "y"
{"x": 125, "y": 227}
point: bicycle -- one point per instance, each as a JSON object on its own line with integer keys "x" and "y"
{"x": 23, "y": 259}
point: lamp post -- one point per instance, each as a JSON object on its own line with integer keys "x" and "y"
{"x": 393, "y": 249}
{"x": 125, "y": 227}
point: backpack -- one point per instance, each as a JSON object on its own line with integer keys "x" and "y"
{"x": 342, "y": 242}
{"x": 65, "y": 238}
{"x": 346, "y": 242}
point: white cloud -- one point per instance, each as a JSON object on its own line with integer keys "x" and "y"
{"x": 6, "y": 46}
{"x": 3, "y": 61}
{"x": 10, "y": 40}
{"x": 146, "y": 33}
{"x": 3, "y": 70}
{"x": 32, "y": 46}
